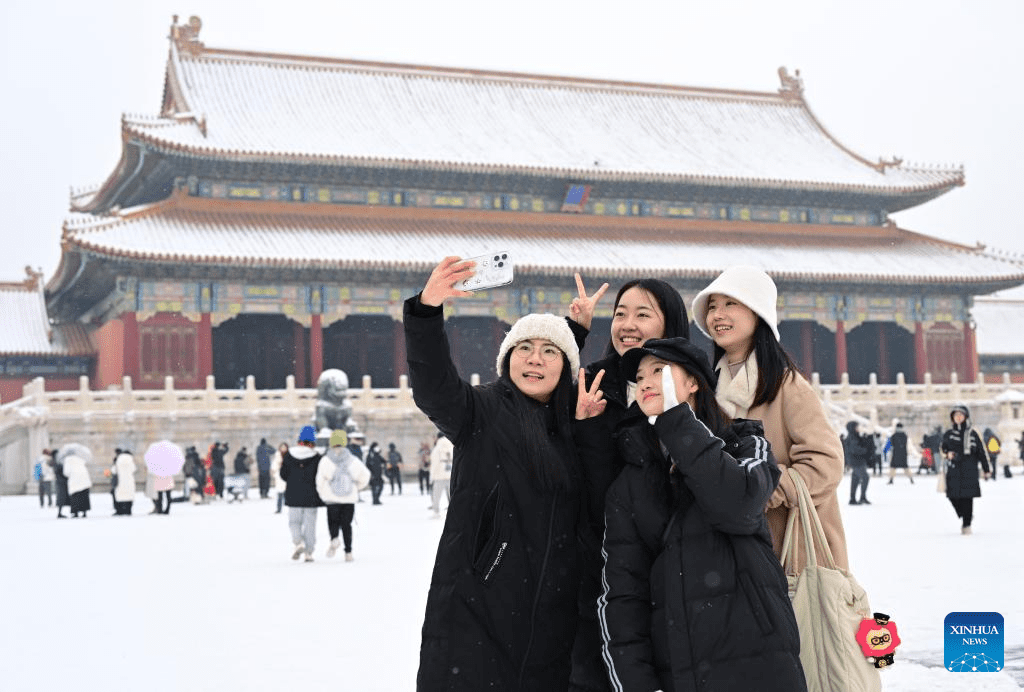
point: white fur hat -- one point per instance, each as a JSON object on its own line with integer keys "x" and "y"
{"x": 542, "y": 326}
{"x": 749, "y": 285}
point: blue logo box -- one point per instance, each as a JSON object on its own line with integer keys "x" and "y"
{"x": 974, "y": 642}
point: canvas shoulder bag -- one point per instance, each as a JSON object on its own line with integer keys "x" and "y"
{"x": 829, "y": 606}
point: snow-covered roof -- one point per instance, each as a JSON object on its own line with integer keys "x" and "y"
{"x": 1000, "y": 325}
{"x": 25, "y": 328}
{"x": 269, "y": 107}
{"x": 195, "y": 230}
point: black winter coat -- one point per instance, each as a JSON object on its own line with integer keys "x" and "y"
{"x": 298, "y": 470}
{"x": 602, "y": 464}
{"x": 695, "y": 598}
{"x": 962, "y": 476}
{"x": 898, "y": 442}
{"x": 859, "y": 449}
{"x": 501, "y": 610}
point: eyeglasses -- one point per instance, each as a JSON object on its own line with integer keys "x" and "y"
{"x": 548, "y": 353}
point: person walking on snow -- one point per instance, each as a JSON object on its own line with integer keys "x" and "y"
{"x": 124, "y": 490}
{"x": 963, "y": 450}
{"x": 896, "y": 448}
{"x": 858, "y": 449}
{"x": 298, "y": 469}
{"x": 275, "y": 470}
{"x": 993, "y": 445}
{"x": 440, "y": 472}
{"x": 264, "y": 453}
{"x": 339, "y": 478}
{"x": 375, "y": 462}
{"x": 394, "y": 468}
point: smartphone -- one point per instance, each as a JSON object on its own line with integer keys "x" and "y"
{"x": 492, "y": 269}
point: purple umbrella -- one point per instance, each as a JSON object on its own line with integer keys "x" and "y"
{"x": 164, "y": 458}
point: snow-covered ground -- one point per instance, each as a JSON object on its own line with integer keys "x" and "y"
{"x": 207, "y": 597}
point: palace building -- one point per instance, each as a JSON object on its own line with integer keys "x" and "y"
{"x": 271, "y": 218}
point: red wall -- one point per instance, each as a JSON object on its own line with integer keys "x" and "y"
{"x": 11, "y": 387}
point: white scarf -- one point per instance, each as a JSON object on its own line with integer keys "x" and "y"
{"x": 736, "y": 394}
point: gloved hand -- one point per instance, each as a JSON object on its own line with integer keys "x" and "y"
{"x": 668, "y": 392}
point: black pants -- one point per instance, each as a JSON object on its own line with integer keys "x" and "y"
{"x": 218, "y": 481}
{"x": 859, "y": 477}
{"x": 964, "y": 507}
{"x": 395, "y": 477}
{"x": 264, "y": 483}
{"x": 424, "y": 476}
{"x": 376, "y": 488}
{"x": 162, "y": 502}
{"x": 340, "y": 516}
{"x": 46, "y": 490}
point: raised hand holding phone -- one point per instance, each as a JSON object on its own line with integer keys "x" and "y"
{"x": 492, "y": 269}
{"x": 441, "y": 284}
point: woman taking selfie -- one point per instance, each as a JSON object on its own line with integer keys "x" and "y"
{"x": 501, "y": 611}
{"x": 694, "y": 597}
{"x": 758, "y": 380}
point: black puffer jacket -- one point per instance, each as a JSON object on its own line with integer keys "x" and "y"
{"x": 501, "y": 610}
{"x": 298, "y": 470}
{"x": 962, "y": 476}
{"x": 695, "y": 598}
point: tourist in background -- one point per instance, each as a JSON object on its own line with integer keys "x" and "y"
{"x": 339, "y": 477}
{"x": 423, "y": 473}
{"x": 394, "y": 468}
{"x": 298, "y": 468}
{"x": 963, "y": 450}
{"x": 264, "y": 453}
{"x": 758, "y": 380}
{"x": 60, "y": 482}
{"x": 43, "y": 474}
{"x": 79, "y": 482}
{"x": 858, "y": 449}
{"x": 275, "y": 471}
{"x": 217, "y": 467}
{"x": 993, "y": 445}
{"x": 124, "y": 487}
{"x": 896, "y": 449}
{"x": 440, "y": 473}
{"x": 376, "y": 463}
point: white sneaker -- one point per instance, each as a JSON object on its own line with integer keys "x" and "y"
{"x": 300, "y": 547}
{"x": 965, "y": 530}
{"x": 333, "y": 548}
{"x": 309, "y": 557}
{"x": 348, "y": 557}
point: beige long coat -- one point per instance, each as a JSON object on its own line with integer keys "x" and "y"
{"x": 802, "y": 438}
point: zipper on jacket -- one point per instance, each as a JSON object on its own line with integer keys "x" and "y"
{"x": 536, "y": 595}
{"x": 497, "y": 561}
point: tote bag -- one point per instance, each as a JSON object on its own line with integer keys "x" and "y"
{"x": 829, "y": 606}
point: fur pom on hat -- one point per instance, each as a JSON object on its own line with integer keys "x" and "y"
{"x": 542, "y": 326}
{"x": 749, "y": 285}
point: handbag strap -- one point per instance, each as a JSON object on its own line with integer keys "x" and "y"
{"x": 813, "y": 531}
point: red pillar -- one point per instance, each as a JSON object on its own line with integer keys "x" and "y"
{"x": 971, "y": 353}
{"x": 841, "y": 365}
{"x": 299, "y": 334}
{"x": 807, "y": 347}
{"x": 131, "y": 347}
{"x": 204, "y": 340}
{"x": 920, "y": 357}
{"x": 316, "y": 349}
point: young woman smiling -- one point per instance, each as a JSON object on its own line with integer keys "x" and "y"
{"x": 502, "y": 606}
{"x": 758, "y": 380}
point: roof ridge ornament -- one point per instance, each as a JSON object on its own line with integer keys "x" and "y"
{"x": 186, "y": 36}
{"x": 792, "y": 85}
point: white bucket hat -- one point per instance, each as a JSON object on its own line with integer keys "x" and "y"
{"x": 749, "y": 285}
{"x": 542, "y": 326}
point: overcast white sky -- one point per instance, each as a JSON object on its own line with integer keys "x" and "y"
{"x": 931, "y": 81}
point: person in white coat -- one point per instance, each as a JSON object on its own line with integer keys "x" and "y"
{"x": 124, "y": 491}
{"x": 440, "y": 472}
{"x": 275, "y": 473}
{"x": 79, "y": 483}
{"x": 339, "y": 478}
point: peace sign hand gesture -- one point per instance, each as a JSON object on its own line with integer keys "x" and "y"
{"x": 441, "y": 284}
{"x": 590, "y": 403}
{"x": 582, "y": 309}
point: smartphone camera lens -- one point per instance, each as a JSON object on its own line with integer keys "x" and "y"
{"x": 504, "y": 257}
{"x": 501, "y": 264}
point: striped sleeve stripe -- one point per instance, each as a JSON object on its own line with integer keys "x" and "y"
{"x": 602, "y": 604}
